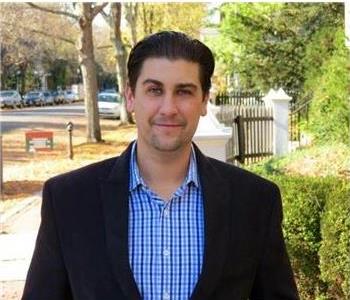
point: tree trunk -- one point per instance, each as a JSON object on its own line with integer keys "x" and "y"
{"x": 88, "y": 68}
{"x": 132, "y": 16}
{"x": 121, "y": 56}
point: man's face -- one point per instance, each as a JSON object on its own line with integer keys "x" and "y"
{"x": 168, "y": 101}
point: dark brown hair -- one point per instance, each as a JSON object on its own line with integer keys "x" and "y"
{"x": 172, "y": 45}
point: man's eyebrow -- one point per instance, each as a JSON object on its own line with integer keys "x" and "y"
{"x": 154, "y": 81}
{"x": 187, "y": 85}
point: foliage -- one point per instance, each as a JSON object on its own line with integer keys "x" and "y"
{"x": 303, "y": 202}
{"x": 185, "y": 17}
{"x": 335, "y": 247}
{"x": 269, "y": 41}
{"x": 316, "y": 227}
{"x": 331, "y": 96}
{"x": 30, "y": 43}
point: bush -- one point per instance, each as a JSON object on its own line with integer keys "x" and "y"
{"x": 320, "y": 257}
{"x": 335, "y": 247}
{"x": 304, "y": 200}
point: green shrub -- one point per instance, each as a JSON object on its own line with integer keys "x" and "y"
{"x": 329, "y": 110}
{"x": 335, "y": 247}
{"x": 304, "y": 200}
{"x": 320, "y": 258}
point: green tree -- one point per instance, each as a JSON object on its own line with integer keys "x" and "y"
{"x": 268, "y": 42}
{"x": 330, "y": 110}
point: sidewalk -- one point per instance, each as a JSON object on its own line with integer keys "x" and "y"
{"x": 20, "y": 227}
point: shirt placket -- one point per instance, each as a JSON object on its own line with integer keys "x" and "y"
{"x": 165, "y": 252}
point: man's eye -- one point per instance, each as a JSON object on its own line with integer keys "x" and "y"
{"x": 155, "y": 91}
{"x": 184, "y": 92}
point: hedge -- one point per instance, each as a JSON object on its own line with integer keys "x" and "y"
{"x": 335, "y": 247}
{"x": 316, "y": 227}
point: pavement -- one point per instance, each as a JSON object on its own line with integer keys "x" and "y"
{"x": 19, "y": 227}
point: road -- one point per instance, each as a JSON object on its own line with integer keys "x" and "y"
{"x": 49, "y": 116}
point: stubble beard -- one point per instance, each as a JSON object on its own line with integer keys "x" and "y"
{"x": 172, "y": 145}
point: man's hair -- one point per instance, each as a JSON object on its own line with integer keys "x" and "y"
{"x": 171, "y": 45}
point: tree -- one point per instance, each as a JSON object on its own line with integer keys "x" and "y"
{"x": 85, "y": 47}
{"x": 114, "y": 21}
{"x": 153, "y": 17}
{"x": 26, "y": 47}
{"x": 131, "y": 15}
{"x": 268, "y": 42}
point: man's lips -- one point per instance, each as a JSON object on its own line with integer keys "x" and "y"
{"x": 168, "y": 125}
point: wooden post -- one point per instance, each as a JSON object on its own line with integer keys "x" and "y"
{"x": 241, "y": 144}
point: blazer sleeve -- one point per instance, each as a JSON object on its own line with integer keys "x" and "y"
{"x": 47, "y": 276}
{"x": 274, "y": 279}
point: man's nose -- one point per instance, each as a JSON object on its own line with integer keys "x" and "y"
{"x": 168, "y": 105}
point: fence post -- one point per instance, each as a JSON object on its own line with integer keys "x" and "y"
{"x": 279, "y": 101}
{"x": 241, "y": 137}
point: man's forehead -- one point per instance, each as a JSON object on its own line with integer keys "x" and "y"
{"x": 179, "y": 71}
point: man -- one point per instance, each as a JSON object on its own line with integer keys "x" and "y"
{"x": 162, "y": 221}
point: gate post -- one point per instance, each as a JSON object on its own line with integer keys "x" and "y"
{"x": 241, "y": 142}
{"x": 279, "y": 101}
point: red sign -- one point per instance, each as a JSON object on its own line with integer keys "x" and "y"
{"x": 39, "y": 140}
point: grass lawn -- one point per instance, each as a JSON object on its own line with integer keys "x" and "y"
{"x": 315, "y": 161}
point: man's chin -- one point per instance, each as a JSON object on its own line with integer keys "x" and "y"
{"x": 169, "y": 146}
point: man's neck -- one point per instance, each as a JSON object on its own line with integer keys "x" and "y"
{"x": 163, "y": 171}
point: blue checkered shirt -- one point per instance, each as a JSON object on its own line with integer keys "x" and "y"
{"x": 166, "y": 238}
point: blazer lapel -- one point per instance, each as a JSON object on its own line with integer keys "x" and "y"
{"x": 114, "y": 191}
{"x": 216, "y": 209}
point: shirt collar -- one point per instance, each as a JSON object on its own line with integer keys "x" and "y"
{"x": 136, "y": 179}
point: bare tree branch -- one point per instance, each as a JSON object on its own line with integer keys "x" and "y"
{"x": 97, "y": 9}
{"x": 53, "y": 11}
{"x": 55, "y": 36}
{"x": 107, "y": 18}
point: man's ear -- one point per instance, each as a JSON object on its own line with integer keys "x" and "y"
{"x": 204, "y": 104}
{"x": 129, "y": 97}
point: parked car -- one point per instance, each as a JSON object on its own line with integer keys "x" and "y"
{"x": 109, "y": 104}
{"x": 48, "y": 98}
{"x": 58, "y": 97}
{"x": 109, "y": 91}
{"x": 34, "y": 98}
{"x": 10, "y": 98}
{"x": 70, "y": 96}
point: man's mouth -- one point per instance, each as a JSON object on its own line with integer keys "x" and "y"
{"x": 168, "y": 125}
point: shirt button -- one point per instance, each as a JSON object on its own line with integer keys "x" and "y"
{"x": 166, "y": 296}
{"x": 166, "y": 212}
{"x": 166, "y": 252}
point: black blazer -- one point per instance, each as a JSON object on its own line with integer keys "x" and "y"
{"x": 82, "y": 246}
